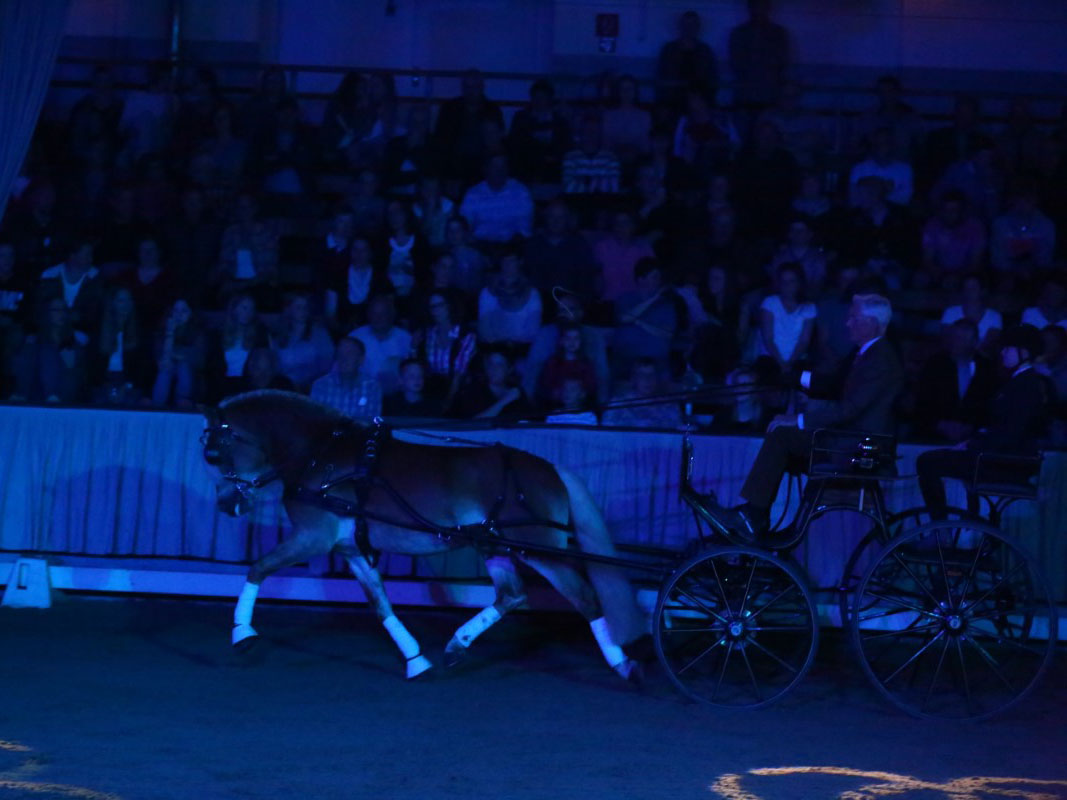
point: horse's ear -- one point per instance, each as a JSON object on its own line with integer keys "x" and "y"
{"x": 210, "y": 413}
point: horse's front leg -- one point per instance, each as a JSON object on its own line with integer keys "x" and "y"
{"x": 371, "y": 581}
{"x": 510, "y": 594}
{"x": 305, "y": 544}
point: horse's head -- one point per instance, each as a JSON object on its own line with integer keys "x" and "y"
{"x": 238, "y": 456}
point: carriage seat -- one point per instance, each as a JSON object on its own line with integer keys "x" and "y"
{"x": 1002, "y": 479}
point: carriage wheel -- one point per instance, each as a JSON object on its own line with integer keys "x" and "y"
{"x": 948, "y": 619}
{"x": 735, "y": 627}
{"x": 875, "y": 538}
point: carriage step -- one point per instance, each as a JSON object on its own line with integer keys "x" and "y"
{"x": 29, "y": 585}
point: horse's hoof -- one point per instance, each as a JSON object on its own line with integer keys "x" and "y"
{"x": 632, "y": 672}
{"x": 244, "y": 636}
{"x": 418, "y": 666}
{"x": 455, "y": 654}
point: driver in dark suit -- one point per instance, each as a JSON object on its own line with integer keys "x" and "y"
{"x": 1018, "y": 416}
{"x": 861, "y": 399}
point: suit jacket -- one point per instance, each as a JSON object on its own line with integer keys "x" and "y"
{"x": 1018, "y": 415}
{"x": 863, "y": 392}
{"x": 937, "y": 396}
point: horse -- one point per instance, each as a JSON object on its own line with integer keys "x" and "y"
{"x": 353, "y": 489}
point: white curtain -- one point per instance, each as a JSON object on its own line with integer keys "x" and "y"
{"x": 30, "y": 34}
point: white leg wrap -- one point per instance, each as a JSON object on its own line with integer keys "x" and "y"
{"x": 476, "y": 625}
{"x": 246, "y": 601}
{"x": 409, "y": 648}
{"x": 612, "y": 652}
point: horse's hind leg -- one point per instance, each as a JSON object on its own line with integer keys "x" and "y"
{"x": 510, "y": 594}
{"x": 371, "y": 581}
{"x": 570, "y": 583}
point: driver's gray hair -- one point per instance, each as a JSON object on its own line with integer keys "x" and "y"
{"x": 877, "y": 307}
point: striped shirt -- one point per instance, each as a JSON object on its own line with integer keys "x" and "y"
{"x": 591, "y": 174}
{"x": 359, "y": 399}
{"x": 497, "y": 216}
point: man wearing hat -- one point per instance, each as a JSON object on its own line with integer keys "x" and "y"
{"x": 1018, "y": 418}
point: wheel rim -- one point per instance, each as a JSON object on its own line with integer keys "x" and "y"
{"x": 948, "y": 618}
{"x": 735, "y": 627}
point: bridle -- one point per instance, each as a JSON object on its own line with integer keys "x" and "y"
{"x": 222, "y": 437}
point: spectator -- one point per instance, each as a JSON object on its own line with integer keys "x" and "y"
{"x": 559, "y": 257}
{"x": 509, "y": 308}
{"x": 973, "y": 307}
{"x": 229, "y": 153}
{"x": 787, "y": 320}
{"x": 470, "y": 263}
{"x": 121, "y": 352}
{"x": 1051, "y": 306}
{"x": 76, "y": 281}
{"x": 459, "y": 127}
{"x": 406, "y": 255}
{"x": 410, "y": 156}
{"x": 618, "y": 254}
{"x": 261, "y": 371}
{"x": 368, "y": 207}
{"x": 765, "y": 178}
{"x": 384, "y": 344}
{"x": 242, "y": 331}
{"x": 96, "y": 117}
{"x": 644, "y": 384}
{"x": 432, "y": 210}
{"x": 893, "y": 114}
{"x": 720, "y": 325}
{"x": 831, "y": 312}
{"x": 284, "y": 153}
{"x": 669, "y": 168}
{"x": 153, "y": 287}
{"x": 248, "y": 260}
{"x": 347, "y": 387}
{"x": 956, "y": 142}
{"x": 192, "y": 242}
{"x": 409, "y": 400}
{"x": 811, "y": 201}
{"x": 573, "y": 408}
{"x": 803, "y": 132}
{"x": 646, "y": 320}
{"x": 16, "y": 298}
{"x": 658, "y": 215}
{"x": 882, "y": 163}
{"x": 346, "y": 299}
{"x": 953, "y": 242}
{"x": 590, "y": 168}
{"x": 120, "y": 234}
{"x": 759, "y": 57}
{"x": 35, "y": 228}
{"x": 445, "y": 347}
{"x": 346, "y": 120}
{"x": 569, "y": 363}
{"x": 955, "y": 387}
{"x": 180, "y": 352}
{"x": 304, "y": 348}
{"x": 626, "y": 126}
{"x": 51, "y": 366}
{"x": 148, "y": 114}
{"x": 978, "y": 178}
{"x": 704, "y": 137}
{"x": 540, "y": 136}
{"x": 799, "y": 248}
{"x": 1019, "y": 141}
{"x": 499, "y": 208}
{"x": 260, "y": 111}
{"x": 332, "y": 252}
{"x": 594, "y": 348}
{"x": 685, "y": 61}
{"x": 1054, "y": 361}
{"x": 493, "y": 392}
{"x": 1023, "y": 239}
{"x": 879, "y": 236}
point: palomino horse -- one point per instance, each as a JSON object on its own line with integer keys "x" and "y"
{"x": 354, "y": 490}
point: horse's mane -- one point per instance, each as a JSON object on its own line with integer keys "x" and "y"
{"x": 283, "y": 401}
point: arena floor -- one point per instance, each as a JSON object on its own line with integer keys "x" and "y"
{"x": 108, "y": 698}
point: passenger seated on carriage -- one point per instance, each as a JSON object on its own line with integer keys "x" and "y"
{"x": 1018, "y": 417}
{"x": 861, "y": 398}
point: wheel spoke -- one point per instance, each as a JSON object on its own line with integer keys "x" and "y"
{"x": 914, "y": 656}
{"x": 992, "y": 664}
{"x": 944, "y": 570}
{"x": 702, "y": 654}
{"x": 974, "y": 567}
{"x": 772, "y": 601}
{"x": 901, "y": 603}
{"x": 713, "y": 629}
{"x": 701, "y": 605}
{"x": 963, "y": 676}
{"x": 748, "y": 586}
{"x": 780, "y": 628}
{"x": 722, "y": 589}
{"x": 867, "y": 637}
{"x": 937, "y": 673}
{"x": 752, "y": 675}
{"x": 993, "y": 588}
{"x": 759, "y": 646}
{"x": 900, "y": 560}
{"x": 722, "y": 672}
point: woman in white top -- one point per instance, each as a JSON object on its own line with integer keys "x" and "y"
{"x": 973, "y": 307}
{"x": 626, "y": 126}
{"x": 1051, "y": 306}
{"x": 509, "y": 308}
{"x": 786, "y": 320}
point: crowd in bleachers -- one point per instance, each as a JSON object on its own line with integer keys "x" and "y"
{"x": 173, "y": 245}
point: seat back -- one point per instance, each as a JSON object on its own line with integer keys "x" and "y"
{"x": 852, "y": 454}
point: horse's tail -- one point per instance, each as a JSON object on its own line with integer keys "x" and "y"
{"x": 613, "y": 589}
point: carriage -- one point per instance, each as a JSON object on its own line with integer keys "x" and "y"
{"x": 948, "y": 616}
